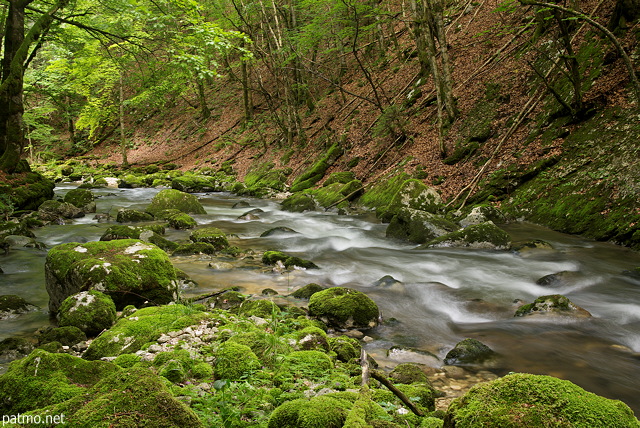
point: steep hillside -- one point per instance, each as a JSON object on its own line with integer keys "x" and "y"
{"x": 513, "y": 144}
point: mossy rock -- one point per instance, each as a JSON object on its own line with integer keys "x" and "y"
{"x": 13, "y": 348}
{"x": 194, "y": 249}
{"x": 189, "y": 183}
{"x": 380, "y": 195}
{"x": 346, "y": 348}
{"x": 43, "y": 379}
{"x": 166, "y": 214}
{"x": 480, "y": 236}
{"x": 408, "y": 373}
{"x": 418, "y": 226}
{"x": 307, "y": 291}
{"x": 521, "y": 399}
{"x": 316, "y": 172}
{"x": 317, "y": 412}
{"x": 130, "y": 216}
{"x": 146, "y": 325}
{"x": 67, "y": 336}
{"x": 228, "y": 300}
{"x": 182, "y": 221}
{"x": 416, "y": 195}
{"x": 553, "y": 304}
{"x": 175, "y": 199}
{"x": 344, "y": 308}
{"x": 469, "y": 351}
{"x": 276, "y": 231}
{"x": 311, "y": 338}
{"x": 129, "y": 232}
{"x": 342, "y": 177}
{"x": 210, "y": 235}
{"x": 130, "y": 271}
{"x": 233, "y": 361}
{"x": 299, "y": 202}
{"x": 259, "y": 308}
{"x": 133, "y": 181}
{"x": 90, "y": 311}
{"x": 55, "y": 211}
{"x": 11, "y": 305}
{"x": 462, "y": 150}
{"x": 81, "y": 198}
{"x": 27, "y": 191}
{"x": 140, "y": 397}
{"x": 273, "y": 257}
{"x": 160, "y": 242}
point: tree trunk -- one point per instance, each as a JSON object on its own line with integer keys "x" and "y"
{"x": 123, "y": 138}
{"x": 16, "y": 52}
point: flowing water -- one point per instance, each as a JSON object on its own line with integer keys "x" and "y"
{"x": 440, "y": 296}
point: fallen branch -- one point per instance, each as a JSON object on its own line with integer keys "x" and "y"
{"x": 386, "y": 382}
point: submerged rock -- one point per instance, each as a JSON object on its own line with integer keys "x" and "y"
{"x": 275, "y": 231}
{"x": 555, "y": 304}
{"x": 469, "y": 351}
{"x": 520, "y": 399}
{"x": 558, "y": 279}
{"x": 128, "y": 270}
{"x": 344, "y": 308}
{"x": 12, "y": 305}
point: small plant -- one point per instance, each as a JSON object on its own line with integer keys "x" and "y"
{"x": 6, "y": 206}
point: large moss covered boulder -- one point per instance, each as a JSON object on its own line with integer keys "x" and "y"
{"x": 90, "y": 311}
{"x": 43, "y": 379}
{"x": 526, "y": 400}
{"x": 416, "y": 195}
{"x": 130, "y": 271}
{"x": 81, "y": 198}
{"x": 210, "y": 235}
{"x": 175, "y": 199}
{"x": 344, "y": 308}
{"x": 418, "y": 226}
{"x": 145, "y": 325}
{"x": 299, "y": 202}
{"x": 486, "y": 236}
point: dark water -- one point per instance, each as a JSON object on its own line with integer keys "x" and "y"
{"x": 442, "y": 296}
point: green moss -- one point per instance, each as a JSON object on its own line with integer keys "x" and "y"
{"x": 484, "y": 236}
{"x": 191, "y": 183}
{"x": 175, "y": 199}
{"x": 344, "y": 307}
{"x": 67, "y": 336}
{"x": 90, "y": 311}
{"x": 315, "y": 173}
{"x": 307, "y": 291}
{"x": 312, "y": 338}
{"x": 27, "y": 191}
{"x": 234, "y": 361}
{"x": 195, "y": 248}
{"x": 308, "y": 364}
{"x": 342, "y": 177}
{"x": 129, "y": 271}
{"x": 272, "y": 257}
{"x": 554, "y": 303}
{"x": 182, "y": 221}
{"x": 129, "y": 215}
{"x": 299, "y": 202}
{"x": 469, "y": 351}
{"x": 408, "y": 373}
{"x": 42, "y": 379}
{"x": 520, "y": 399}
{"x": 259, "y": 308}
{"x": 380, "y": 195}
{"x": 79, "y": 197}
{"x": 418, "y": 226}
{"x": 13, "y": 304}
{"x": 346, "y": 348}
{"x": 317, "y": 412}
{"x": 127, "y": 360}
{"x": 128, "y": 335}
{"x": 210, "y": 235}
{"x": 139, "y": 397}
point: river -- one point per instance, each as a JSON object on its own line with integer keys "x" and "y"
{"x": 441, "y": 295}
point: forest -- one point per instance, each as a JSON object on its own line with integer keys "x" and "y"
{"x": 320, "y": 213}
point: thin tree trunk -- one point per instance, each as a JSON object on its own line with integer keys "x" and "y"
{"x": 123, "y": 138}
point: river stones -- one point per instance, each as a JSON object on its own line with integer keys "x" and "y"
{"x": 90, "y": 311}
{"x": 521, "y": 399}
{"x": 56, "y": 211}
{"x": 469, "y": 351}
{"x": 554, "y": 304}
{"x": 483, "y": 213}
{"x": 210, "y": 235}
{"x": 486, "y": 236}
{"x": 559, "y": 279}
{"x": 273, "y": 257}
{"x": 128, "y": 270}
{"x": 344, "y": 308}
{"x": 191, "y": 183}
{"x": 175, "y": 199}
